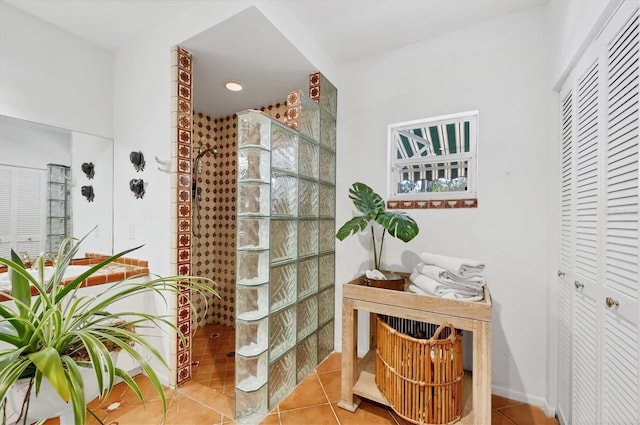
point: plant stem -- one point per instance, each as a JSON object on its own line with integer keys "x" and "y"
{"x": 375, "y": 254}
{"x": 384, "y": 232}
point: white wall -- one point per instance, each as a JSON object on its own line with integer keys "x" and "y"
{"x": 573, "y": 22}
{"x": 51, "y": 77}
{"x": 99, "y": 212}
{"x": 501, "y": 69}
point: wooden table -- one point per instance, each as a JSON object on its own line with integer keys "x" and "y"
{"x": 358, "y": 377}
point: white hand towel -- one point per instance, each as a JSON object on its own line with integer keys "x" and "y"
{"x": 450, "y": 295}
{"x": 433, "y": 287}
{"x": 445, "y": 276}
{"x": 463, "y": 267}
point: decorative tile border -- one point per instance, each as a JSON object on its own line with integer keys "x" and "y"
{"x": 181, "y": 141}
{"x": 314, "y": 87}
{"x": 433, "y": 204}
{"x": 292, "y": 116}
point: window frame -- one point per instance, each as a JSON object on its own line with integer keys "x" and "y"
{"x": 471, "y": 157}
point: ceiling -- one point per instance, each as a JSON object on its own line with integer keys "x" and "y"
{"x": 255, "y": 52}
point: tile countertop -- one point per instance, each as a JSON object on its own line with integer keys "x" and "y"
{"x": 120, "y": 269}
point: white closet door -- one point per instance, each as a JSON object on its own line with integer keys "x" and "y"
{"x": 585, "y": 312}
{"x": 620, "y": 362}
{"x": 565, "y": 261}
{"x": 6, "y": 234}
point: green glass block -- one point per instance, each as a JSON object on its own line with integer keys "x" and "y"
{"x": 251, "y": 337}
{"x": 254, "y": 165}
{"x": 327, "y": 200}
{"x": 326, "y": 305}
{"x": 327, "y": 166}
{"x": 283, "y": 285}
{"x": 325, "y": 340}
{"x": 282, "y": 332}
{"x": 253, "y": 129}
{"x": 252, "y": 267}
{"x": 326, "y": 235}
{"x": 251, "y": 372}
{"x": 307, "y": 237}
{"x": 253, "y": 233}
{"x": 308, "y": 198}
{"x": 327, "y": 131}
{"x": 328, "y": 96}
{"x": 284, "y": 148}
{"x": 282, "y": 378}
{"x": 307, "y": 357}
{"x": 307, "y": 277}
{"x": 326, "y": 273}
{"x": 307, "y": 319}
{"x": 284, "y": 194}
{"x": 309, "y": 152}
{"x": 309, "y": 124}
{"x": 283, "y": 240}
{"x": 252, "y": 406}
{"x": 254, "y": 199}
{"x": 252, "y": 302}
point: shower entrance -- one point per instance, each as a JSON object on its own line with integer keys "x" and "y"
{"x": 262, "y": 209}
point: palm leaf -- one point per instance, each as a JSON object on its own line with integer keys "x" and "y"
{"x": 366, "y": 200}
{"x": 351, "y": 227}
{"x": 399, "y": 224}
{"x": 48, "y": 362}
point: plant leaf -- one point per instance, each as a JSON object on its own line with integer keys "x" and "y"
{"x": 366, "y": 200}
{"x": 48, "y": 362}
{"x": 351, "y": 227}
{"x": 20, "y": 288}
{"x": 399, "y": 224}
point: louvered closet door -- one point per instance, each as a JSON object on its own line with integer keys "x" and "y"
{"x": 565, "y": 260}
{"x": 620, "y": 362}
{"x": 6, "y": 237}
{"x": 586, "y": 290}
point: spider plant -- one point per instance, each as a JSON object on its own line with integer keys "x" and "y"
{"x": 53, "y": 334}
{"x": 397, "y": 223}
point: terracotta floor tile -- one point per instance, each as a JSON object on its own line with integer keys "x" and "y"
{"x": 499, "y": 419}
{"x": 498, "y": 402}
{"x": 331, "y": 363}
{"x": 196, "y": 391}
{"x": 185, "y": 410}
{"x": 308, "y": 393}
{"x": 150, "y": 413}
{"x": 316, "y": 415}
{"x": 331, "y": 382}
{"x": 222, "y": 403}
{"x": 271, "y": 419}
{"x": 526, "y": 414}
{"x": 368, "y": 413}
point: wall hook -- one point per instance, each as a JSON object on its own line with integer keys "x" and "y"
{"x": 88, "y": 169}
{"x": 137, "y": 187}
{"x": 87, "y": 192}
{"x": 137, "y": 159}
{"x": 165, "y": 166}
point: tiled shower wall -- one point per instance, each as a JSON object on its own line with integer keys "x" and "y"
{"x": 214, "y": 213}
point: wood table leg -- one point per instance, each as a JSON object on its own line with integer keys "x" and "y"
{"x": 349, "y": 352}
{"x": 482, "y": 373}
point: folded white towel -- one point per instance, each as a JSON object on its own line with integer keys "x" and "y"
{"x": 449, "y": 295}
{"x": 432, "y": 287}
{"x": 375, "y": 274}
{"x": 445, "y": 276}
{"x": 463, "y": 267}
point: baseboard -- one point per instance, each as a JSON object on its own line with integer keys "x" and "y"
{"x": 525, "y": 398}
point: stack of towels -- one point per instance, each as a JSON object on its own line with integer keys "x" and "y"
{"x": 448, "y": 277}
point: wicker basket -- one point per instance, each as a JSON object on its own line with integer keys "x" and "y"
{"x": 421, "y": 378}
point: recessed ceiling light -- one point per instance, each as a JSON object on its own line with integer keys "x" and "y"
{"x": 233, "y": 85}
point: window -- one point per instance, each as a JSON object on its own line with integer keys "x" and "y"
{"x": 434, "y": 159}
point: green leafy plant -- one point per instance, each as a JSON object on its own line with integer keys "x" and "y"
{"x": 56, "y": 332}
{"x": 397, "y": 223}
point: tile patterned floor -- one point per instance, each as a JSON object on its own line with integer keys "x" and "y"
{"x": 313, "y": 402}
{"x": 213, "y": 361}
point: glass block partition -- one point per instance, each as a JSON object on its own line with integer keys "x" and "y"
{"x": 285, "y": 251}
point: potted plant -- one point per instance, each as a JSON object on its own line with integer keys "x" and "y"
{"x": 397, "y": 223}
{"x": 60, "y": 339}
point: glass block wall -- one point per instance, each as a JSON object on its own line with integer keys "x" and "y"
{"x": 58, "y": 206}
{"x": 285, "y": 251}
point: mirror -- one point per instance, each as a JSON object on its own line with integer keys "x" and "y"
{"x": 44, "y": 185}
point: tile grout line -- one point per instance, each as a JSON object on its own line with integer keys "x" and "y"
{"x": 335, "y": 415}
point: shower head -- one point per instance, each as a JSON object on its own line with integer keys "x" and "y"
{"x": 203, "y": 152}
